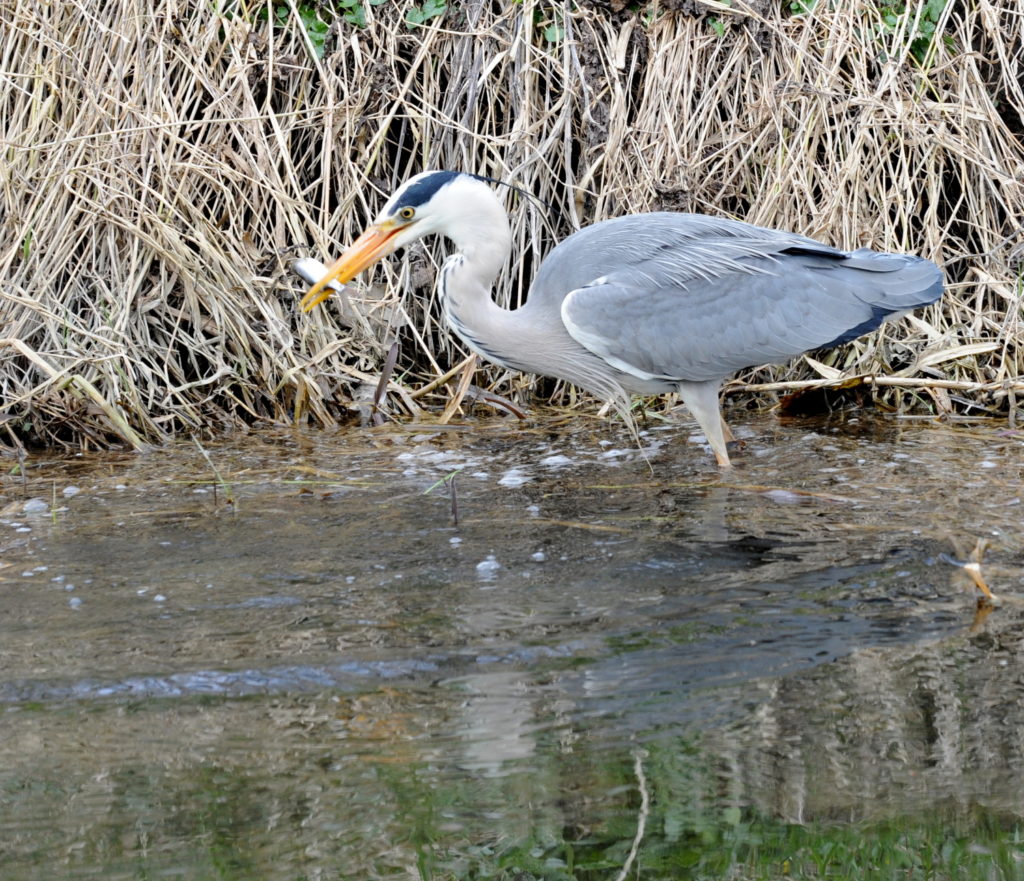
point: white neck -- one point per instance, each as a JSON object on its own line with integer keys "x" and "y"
{"x": 478, "y": 227}
{"x": 532, "y": 338}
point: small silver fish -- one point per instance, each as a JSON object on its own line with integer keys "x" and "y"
{"x": 312, "y": 270}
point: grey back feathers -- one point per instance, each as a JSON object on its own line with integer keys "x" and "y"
{"x": 688, "y": 297}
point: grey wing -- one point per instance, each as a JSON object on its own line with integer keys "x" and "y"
{"x": 741, "y": 304}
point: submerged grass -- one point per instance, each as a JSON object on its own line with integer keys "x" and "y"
{"x": 683, "y": 826}
{"x": 750, "y": 848}
{"x": 162, "y": 164}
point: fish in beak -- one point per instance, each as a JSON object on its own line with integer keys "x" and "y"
{"x": 377, "y": 242}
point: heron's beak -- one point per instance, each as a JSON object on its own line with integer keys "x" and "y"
{"x": 371, "y": 246}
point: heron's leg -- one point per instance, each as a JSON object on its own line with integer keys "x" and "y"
{"x": 727, "y": 432}
{"x": 701, "y": 399}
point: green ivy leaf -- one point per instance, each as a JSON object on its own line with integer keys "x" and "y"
{"x": 430, "y": 9}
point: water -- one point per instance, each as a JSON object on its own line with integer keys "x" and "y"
{"x": 298, "y": 656}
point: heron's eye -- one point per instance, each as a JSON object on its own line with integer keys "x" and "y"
{"x": 407, "y": 213}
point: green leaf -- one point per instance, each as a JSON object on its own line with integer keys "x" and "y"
{"x": 554, "y": 33}
{"x": 430, "y": 9}
{"x": 356, "y": 15}
{"x": 316, "y": 29}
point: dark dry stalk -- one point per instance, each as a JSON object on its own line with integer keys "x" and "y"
{"x": 382, "y": 384}
{"x": 455, "y": 498}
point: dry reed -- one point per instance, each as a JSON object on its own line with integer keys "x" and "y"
{"x": 163, "y": 162}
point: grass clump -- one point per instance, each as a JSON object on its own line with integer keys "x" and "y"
{"x": 161, "y": 166}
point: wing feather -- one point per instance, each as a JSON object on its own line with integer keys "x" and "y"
{"x": 686, "y": 297}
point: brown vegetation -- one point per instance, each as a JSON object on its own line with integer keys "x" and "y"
{"x": 163, "y": 162}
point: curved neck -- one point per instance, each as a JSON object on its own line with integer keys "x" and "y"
{"x": 483, "y": 325}
{"x": 482, "y": 239}
{"x": 533, "y": 338}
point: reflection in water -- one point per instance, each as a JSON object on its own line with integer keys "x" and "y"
{"x": 497, "y": 718}
{"x": 315, "y": 681}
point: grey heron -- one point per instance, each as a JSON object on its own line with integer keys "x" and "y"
{"x": 641, "y": 304}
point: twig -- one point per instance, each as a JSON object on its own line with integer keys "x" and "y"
{"x": 455, "y": 498}
{"x": 645, "y": 805}
{"x": 229, "y": 497}
{"x": 382, "y": 383}
{"x": 460, "y": 391}
{"x": 441, "y": 380}
{"x": 449, "y": 481}
{"x": 866, "y": 379}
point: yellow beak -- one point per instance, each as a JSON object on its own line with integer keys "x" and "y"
{"x": 371, "y": 246}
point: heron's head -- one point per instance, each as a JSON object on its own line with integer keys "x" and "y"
{"x": 430, "y": 202}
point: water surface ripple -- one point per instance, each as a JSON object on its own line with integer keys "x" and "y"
{"x": 318, "y": 638}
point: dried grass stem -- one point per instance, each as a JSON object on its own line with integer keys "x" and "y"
{"x": 162, "y": 163}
